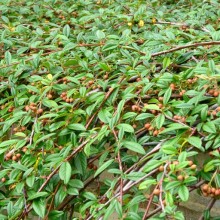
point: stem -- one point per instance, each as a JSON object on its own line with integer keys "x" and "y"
{"x": 78, "y": 149}
{"x": 184, "y": 47}
{"x": 209, "y": 207}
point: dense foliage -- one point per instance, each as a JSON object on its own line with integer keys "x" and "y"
{"x": 117, "y": 87}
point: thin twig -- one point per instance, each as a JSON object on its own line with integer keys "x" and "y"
{"x": 155, "y": 211}
{"x": 124, "y": 190}
{"x": 121, "y": 169}
{"x": 52, "y": 201}
{"x": 184, "y": 47}
{"x": 78, "y": 149}
{"x": 209, "y": 207}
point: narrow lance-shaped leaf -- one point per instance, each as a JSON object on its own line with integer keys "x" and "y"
{"x": 103, "y": 167}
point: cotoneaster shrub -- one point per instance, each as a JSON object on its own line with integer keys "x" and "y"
{"x": 129, "y": 88}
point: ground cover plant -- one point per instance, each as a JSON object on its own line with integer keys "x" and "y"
{"x": 127, "y": 88}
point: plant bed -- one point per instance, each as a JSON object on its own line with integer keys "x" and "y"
{"x": 125, "y": 88}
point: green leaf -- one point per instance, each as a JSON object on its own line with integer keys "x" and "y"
{"x": 183, "y": 193}
{"x": 8, "y": 142}
{"x": 160, "y": 121}
{"x": 66, "y": 30}
{"x": 38, "y": 195}
{"x": 39, "y": 207}
{"x": 172, "y": 185}
{"x": 182, "y": 156}
{"x": 76, "y": 183}
{"x": 143, "y": 116}
{"x": 152, "y": 107}
{"x": 100, "y": 34}
{"x": 49, "y": 103}
{"x": 169, "y": 149}
{"x": 103, "y": 167}
{"x": 109, "y": 210}
{"x": 174, "y": 127}
{"x": 126, "y": 127}
{"x": 89, "y": 195}
{"x": 77, "y": 127}
{"x": 134, "y": 146}
{"x": 118, "y": 208}
{"x": 65, "y": 172}
{"x": 211, "y": 165}
{"x": 30, "y": 181}
{"x": 184, "y": 57}
{"x": 152, "y": 164}
{"x": 109, "y": 46}
{"x": 167, "y": 96}
{"x": 53, "y": 215}
{"x": 44, "y": 137}
{"x": 8, "y": 57}
{"x": 147, "y": 184}
{"x": 166, "y": 62}
{"x": 209, "y": 127}
{"x": 196, "y": 141}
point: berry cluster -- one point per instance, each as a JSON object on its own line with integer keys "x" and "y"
{"x": 65, "y": 98}
{"x": 210, "y": 191}
{"x": 11, "y": 156}
{"x": 152, "y": 130}
{"x": 33, "y": 108}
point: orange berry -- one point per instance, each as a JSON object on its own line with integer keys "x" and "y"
{"x": 153, "y": 111}
{"x": 161, "y": 168}
{"x": 205, "y": 187}
{"x": 190, "y": 162}
{"x": 175, "y": 117}
{"x": 155, "y": 133}
{"x": 24, "y": 149}
{"x": 40, "y": 111}
{"x": 183, "y": 119}
{"x": 105, "y": 76}
{"x": 60, "y": 147}
{"x": 213, "y": 190}
{"x": 49, "y": 96}
{"x": 180, "y": 177}
{"x": 9, "y": 155}
{"x": 156, "y": 192}
{"x": 216, "y": 93}
{"x": 217, "y": 192}
{"x": 160, "y": 105}
{"x": 18, "y": 155}
{"x": 27, "y": 108}
{"x": 14, "y": 158}
{"x": 175, "y": 162}
{"x": 134, "y": 107}
{"x": 147, "y": 126}
{"x": 151, "y": 128}
{"x": 193, "y": 167}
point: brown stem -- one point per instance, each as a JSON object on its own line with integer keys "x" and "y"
{"x": 185, "y": 46}
{"x": 121, "y": 169}
{"x": 125, "y": 189}
{"x": 208, "y": 207}
{"x": 52, "y": 201}
{"x": 159, "y": 208}
{"x": 159, "y": 185}
{"x": 78, "y": 149}
{"x": 148, "y": 204}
